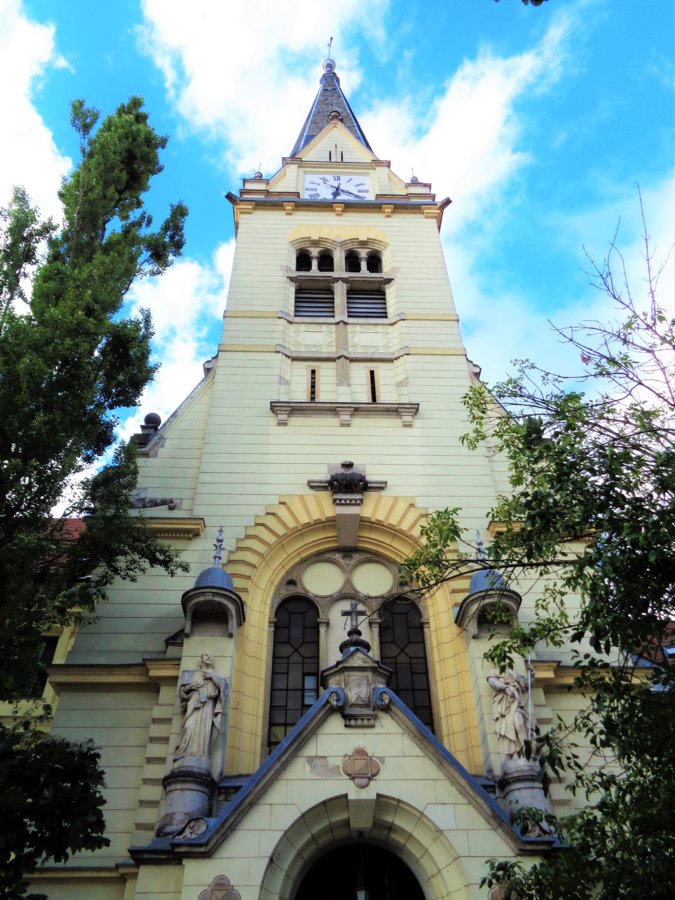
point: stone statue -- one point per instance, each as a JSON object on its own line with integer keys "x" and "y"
{"x": 509, "y": 711}
{"x": 203, "y": 695}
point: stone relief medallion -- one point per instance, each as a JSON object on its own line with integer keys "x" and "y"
{"x": 220, "y": 889}
{"x": 370, "y": 338}
{"x": 313, "y": 337}
{"x": 361, "y": 767}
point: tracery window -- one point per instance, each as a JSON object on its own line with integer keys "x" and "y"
{"x": 310, "y": 626}
{"x": 402, "y": 650}
{"x": 295, "y": 665}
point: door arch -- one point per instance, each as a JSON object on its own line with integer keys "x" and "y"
{"x": 426, "y": 851}
{"x": 342, "y": 871}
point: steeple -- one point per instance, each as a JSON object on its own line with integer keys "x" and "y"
{"x": 330, "y": 103}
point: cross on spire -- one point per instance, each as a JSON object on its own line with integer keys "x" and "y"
{"x": 330, "y": 45}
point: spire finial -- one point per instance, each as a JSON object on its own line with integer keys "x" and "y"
{"x": 330, "y": 45}
{"x": 218, "y": 547}
{"x": 480, "y": 546}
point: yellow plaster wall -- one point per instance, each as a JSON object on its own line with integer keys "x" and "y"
{"x": 118, "y": 722}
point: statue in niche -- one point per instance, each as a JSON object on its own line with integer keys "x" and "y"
{"x": 513, "y": 723}
{"x": 203, "y": 694}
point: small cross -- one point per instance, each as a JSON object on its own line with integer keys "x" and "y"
{"x": 354, "y": 612}
{"x": 330, "y": 44}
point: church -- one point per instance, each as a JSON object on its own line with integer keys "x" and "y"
{"x": 289, "y": 721}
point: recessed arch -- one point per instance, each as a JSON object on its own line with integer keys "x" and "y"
{"x": 396, "y": 825}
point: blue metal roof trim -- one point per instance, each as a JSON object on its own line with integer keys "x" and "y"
{"x": 379, "y": 694}
{"x": 334, "y": 697}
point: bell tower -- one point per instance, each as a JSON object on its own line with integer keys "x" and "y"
{"x": 258, "y": 732}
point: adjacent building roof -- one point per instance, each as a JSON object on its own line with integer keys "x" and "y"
{"x": 330, "y": 103}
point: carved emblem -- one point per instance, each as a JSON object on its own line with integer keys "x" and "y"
{"x": 347, "y": 481}
{"x": 361, "y": 767}
{"x": 220, "y": 889}
{"x": 193, "y": 829}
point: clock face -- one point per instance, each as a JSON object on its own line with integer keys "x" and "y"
{"x": 337, "y": 187}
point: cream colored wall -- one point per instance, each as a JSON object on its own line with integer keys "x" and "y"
{"x": 118, "y": 722}
{"x": 230, "y": 462}
{"x": 312, "y": 802}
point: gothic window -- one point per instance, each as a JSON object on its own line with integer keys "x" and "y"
{"x": 303, "y": 261}
{"x": 374, "y": 263}
{"x": 402, "y": 650}
{"x": 295, "y": 665}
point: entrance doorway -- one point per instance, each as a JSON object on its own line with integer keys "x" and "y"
{"x": 359, "y": 871}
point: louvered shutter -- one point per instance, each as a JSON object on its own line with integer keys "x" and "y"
{"x": 366, "y": 304}
{"x": 315, "y": 302}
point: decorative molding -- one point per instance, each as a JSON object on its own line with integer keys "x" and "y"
{"x": 437, "y": 351}
{"x": 176, "y": 529}
{"x": 131, "y": 675}
{"x": 250, "y": 314}
{"x": 284, "y": 409}
{"x": 220, "y": 889}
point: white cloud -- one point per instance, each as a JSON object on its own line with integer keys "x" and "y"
{"x": 246, "y": 71}
{"x": 502, "y": 325}
{"x": 186, "y": 304}
{"x": 28, "y": 154}
{"x": 469, "y": 140}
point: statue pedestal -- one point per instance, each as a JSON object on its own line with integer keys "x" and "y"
{"x": 190, "y": 789}
{"x": 520, "y": 786}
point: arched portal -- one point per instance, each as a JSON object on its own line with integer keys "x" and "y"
{"x": 359, "y": 871}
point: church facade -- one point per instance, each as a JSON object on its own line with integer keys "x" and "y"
{"x": 287, "y": 721}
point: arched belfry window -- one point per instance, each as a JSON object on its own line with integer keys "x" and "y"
{"x": 295, "y": 665}
{"x": 402, "y": 650}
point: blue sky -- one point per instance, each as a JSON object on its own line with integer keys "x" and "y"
{"x": 539, "y": 123}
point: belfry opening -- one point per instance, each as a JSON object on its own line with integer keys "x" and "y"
{"x": 359, "y": 871}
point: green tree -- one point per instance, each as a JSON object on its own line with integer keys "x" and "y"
{"x": 51, "y": 803}
{"x": 591, "y": 513}
{"x": 69, "y": 358}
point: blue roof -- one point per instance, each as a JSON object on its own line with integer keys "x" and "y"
{"x": 487, "y": 580}
{"x": 214, "y": 577}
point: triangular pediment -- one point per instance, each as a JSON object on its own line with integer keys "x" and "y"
{"x": 396, "y": 758}
{"x": 336, "y": 135}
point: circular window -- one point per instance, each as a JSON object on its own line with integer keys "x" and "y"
{"x": 323, "y": 578}
{"x": 372, "y": 578}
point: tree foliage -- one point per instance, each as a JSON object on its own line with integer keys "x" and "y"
{"x": 51, "y": 803}
{"x": 69, "y": 358}
{"x": 591, "y": 517}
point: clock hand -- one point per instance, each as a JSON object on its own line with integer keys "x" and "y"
{"x": 349, "y": 193}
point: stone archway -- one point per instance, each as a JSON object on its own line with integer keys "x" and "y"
{"x": 342, "y": 871}
{"x": 385, "y": 822}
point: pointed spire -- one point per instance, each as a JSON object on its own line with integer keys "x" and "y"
{"x": 330, "y": 104}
